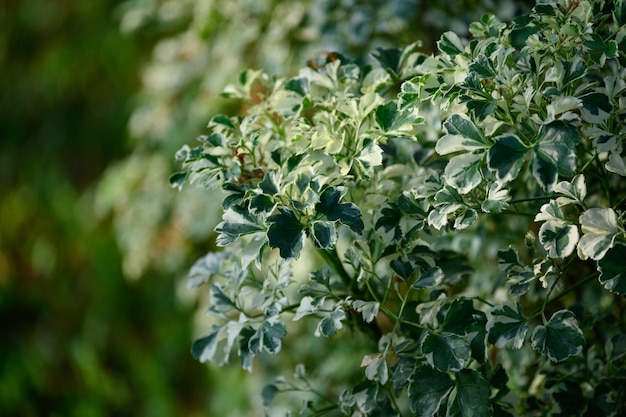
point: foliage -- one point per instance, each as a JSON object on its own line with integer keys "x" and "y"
{"x": 201, "y": 44}
{"x": 463, "y": 210}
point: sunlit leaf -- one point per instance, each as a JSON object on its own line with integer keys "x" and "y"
{"x": 450, "y": 43}
{"x": 558, "y": 239}
{"x": 599, "y": 227}
{"x": 463, "y": 172}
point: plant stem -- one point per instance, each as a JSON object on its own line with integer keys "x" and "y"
{"x": 332, "y": 259}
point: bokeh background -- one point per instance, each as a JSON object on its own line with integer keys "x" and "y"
{"x": 95, "y": 98}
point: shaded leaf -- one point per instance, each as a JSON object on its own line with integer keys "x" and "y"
{"x": 285, "y": 233}
{"x": 347, "y": 213}
{"x": 507, "y": 326}
{"x": 459, "y": 316}
{"x": 268, "y": 337}
{"x": 556, "y": 146}
{"x": 427, "y": 390}
{"x": 463, "y": 135}
{"x": 369, "y": 309}
{"x": 429, "y": 279}
{"x": 560, "y": 338}
{"x": 613, "y": 269}
{"x": 470, "y": 396}
{"x": 446, "y": 353}
{"x": 328, "y": 326}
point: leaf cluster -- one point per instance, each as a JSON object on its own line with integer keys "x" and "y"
{"x": 467, "y": 207}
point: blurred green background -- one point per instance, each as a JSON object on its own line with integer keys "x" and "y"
{"x": 95, "y": 97}
{"x": 77, "y": 338}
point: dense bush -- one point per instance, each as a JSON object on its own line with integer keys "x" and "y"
{"x": 202, "y": 46}
{"x": 452, "y": 223}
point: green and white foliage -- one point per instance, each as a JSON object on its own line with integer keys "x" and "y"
{"x": 200, "y": 46}
{"x": 465, "y": 210}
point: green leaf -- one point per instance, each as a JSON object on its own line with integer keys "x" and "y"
{"x": 463, "y": 135}
{"x": 377, "y": 369}
{"x": 324, "y": 234}
{"x": 328, "y": 326}
{"x": 560, "y": 338}
{"x": 222, "y": 120}
{"x": 220, "y": 302}
{"x": 465, "y": 219}
{"x": 507, "y": 326}
{"x": 178, "y": 179}
{"x": 613, "y": 269}
{"x": 236, "y": 222}
{"x": 385, "y": 115}
{"x": 245, "y": 355}
{"x": 470, "y": 397}
{"x": 497, "y": 199}
{"x": 459, "y": 316}
{"x": 573, "y": 192}
{"x": 544, "y": 171}
{"x": 483, "y": 66}
{"x": 429, "y": 279}
{"x": 463, "y": 172}
{"x": 268, "y": 184}
{"x": 268, "y": 394}
{"x": 346, "y": 213}
{"x": 556, "y": 143}
{"x": 506, "y": 157}
{"x": 558, "y": 239}
{"x": 389, "y": 58}
{"x": 404, "y": 269}
{"x": 390, "y": 119}
{"x": 308, "y": 305}
{"x": 450, "y": 44}
{"x": 285, "y": 233}
{"x": 261, "y": 203}
{"x": 596, "y": 108}
{"x": 297, "y": 85}
{"x": 369, "y": 309}
{"x": 268, "y": 337}
{"x": 427, "y": 390}
{"x": 446, "y": 353}
{"x": 599, "y": 227}
{"x": 204, "y": 349}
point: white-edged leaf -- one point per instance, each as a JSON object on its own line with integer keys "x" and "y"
{"x": 599, "y": 227}
{"x": 560, "y": 338}
{"x": 369, "y": 309}
{"x": 573, "y": 192}
{"x": 506, "y": 326}
{"x": 558, "y": 239}
{"x": 463, "y": 172}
